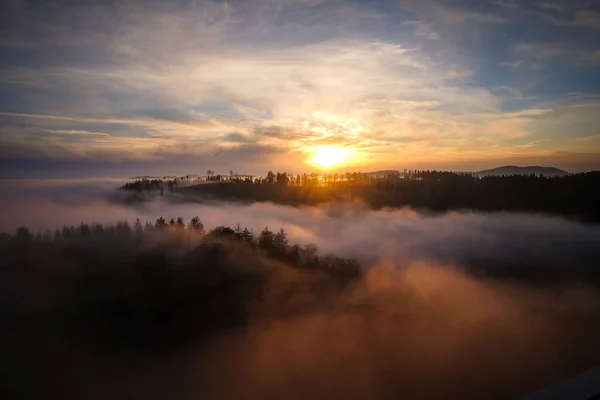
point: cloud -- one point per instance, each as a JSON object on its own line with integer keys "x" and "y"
{"x": 587, "y": 138}
{"x": 448, "y": 13}
{"x": 161, "y": 78}
{"x": 423, "y": 29}
{"x": 583, "y": 57}
{"x": 54, "y": 159}
{"x": 551, "y": 6}
{"x": 320, "y": 89}
{"x": 77, "y": 132}
{"x": 512, "y": 64}
{"x": 511, "y": 4}
{"x": 572, "y": 15}
{"x": 235, "y": 137}
{"x": 511, "y": 92}
{"x": 589, "y": 19}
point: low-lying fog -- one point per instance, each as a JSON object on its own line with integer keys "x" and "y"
{"x": 348, "y": 230}
{"x": 433, "y": 331}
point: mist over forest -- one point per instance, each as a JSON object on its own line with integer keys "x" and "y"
{"x": 300, "y": 199}
{"x": 272, "y": 301}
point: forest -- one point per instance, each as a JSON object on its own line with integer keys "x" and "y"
{"x": 136, "y": 274}
{"x": 153, "y": 287}
{"x": 574, "y": 195}
{"x": 141, "y": 310}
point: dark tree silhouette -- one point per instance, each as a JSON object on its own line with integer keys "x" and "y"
{"x": 196, "y": 225}
{"x": 265, "y": 240}
{"x": 161, "y": 223}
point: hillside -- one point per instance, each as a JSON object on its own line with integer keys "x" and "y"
{"x": 514, "y": 170}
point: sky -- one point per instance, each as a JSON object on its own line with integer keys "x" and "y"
{"x": 121, "y": 88}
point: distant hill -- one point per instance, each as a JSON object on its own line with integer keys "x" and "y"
{"x": 514, "y": 170}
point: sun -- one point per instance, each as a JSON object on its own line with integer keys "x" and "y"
{"x": 328, "y": 156}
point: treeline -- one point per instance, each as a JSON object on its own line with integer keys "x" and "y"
{"x": 574, "y": 195}
{"x": 154, "y": 286}
{"x": 150, "y": 185}
{"x": 274, "y": 245}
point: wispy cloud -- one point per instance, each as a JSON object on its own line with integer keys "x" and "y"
{"x": 423, "y": 29}
{"x": 76, "y": 132}
{"x": 551, "y": 6}
{"x": 508, "y": 92}
{"x": 510, "y": 4}
{"x": 587, "y": 138}
{"x": 565, "y": 52}
{"x": 578, "y": 19}
{"x": 512, "y": 64}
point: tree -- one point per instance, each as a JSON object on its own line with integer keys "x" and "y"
{"x": 148, "y": 227}
{"x": 270, "y": 177}
{"x": 304, "y": 179}
{"x": 161, "y": 223}
{"x": 294, "y": 255}
{"x": 265, "y": 240}
{"x": 280, "y": 244}
{"x": 238, "y": 231}
{"x": 179, "y": 224}
{"x": 282, "y": 179}
{"x": 280, "y": 241}
{"x": 222, "y": 232}
{"x": 97, "y": 229}
{"x": 84, "y": 230}
{"x": 138, "y": 229}
{"x": 195, "y": 225}
{"x": 68, "y": 232}
{"x": 311, "y": 251}
{"x": 22, "y": 236}
{"x": 247, "y": 236}
{"x": 122, "y": 228}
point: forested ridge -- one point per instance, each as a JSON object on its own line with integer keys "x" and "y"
{"x": 132, "y": 277}
{"x": 574, "y": 195}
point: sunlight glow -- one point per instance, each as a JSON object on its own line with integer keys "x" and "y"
{"x": 327, "y": 156}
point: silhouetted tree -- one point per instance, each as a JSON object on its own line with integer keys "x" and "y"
{"x": 138, "y": 229}
{"x": 282, "y": 179}
{"x": 161, "y": 223}
{"x": 22, "y": 236}
{"x": 196, "y": 225}
{"x": 222, "y": 232}
{"x": 280, "y": 244}
{"x": 265, "y": 240}
{"x": 247, "y": 236}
